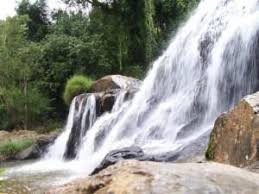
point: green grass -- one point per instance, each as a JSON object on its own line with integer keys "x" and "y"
{"x": 76, "y": 85}
{"x": 11, "y": 147}
{"x": 2, "y": 170}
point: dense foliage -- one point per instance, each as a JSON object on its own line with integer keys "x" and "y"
{"x": 21, "y": 101}
{"x": 40, "y": 50}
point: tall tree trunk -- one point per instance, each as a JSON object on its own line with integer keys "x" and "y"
{"x": 26, "y": 103}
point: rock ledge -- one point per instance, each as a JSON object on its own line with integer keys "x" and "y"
{"x": 149, "y": 177}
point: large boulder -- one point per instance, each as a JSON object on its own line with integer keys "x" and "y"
{"x": 149, "y": 177}
{"x": 109, "y": 87}
{"x": 112, "y": 82}
{"x": 233, "y": 139}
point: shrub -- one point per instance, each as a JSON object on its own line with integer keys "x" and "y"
{"x": 76, "y": 85}
{"x": 11, "y": 147}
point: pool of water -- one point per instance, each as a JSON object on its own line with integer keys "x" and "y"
{"x": 35, "y": 176}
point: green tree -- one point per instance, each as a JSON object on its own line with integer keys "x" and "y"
{"x": 169, "y": 14}
{"x": 20, "y": 98}
{"x": 128, "y": 28}
{"x": 38, "y": 22}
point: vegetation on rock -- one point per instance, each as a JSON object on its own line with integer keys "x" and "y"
{"x": 10, "y": 147}
{"x": 76, "y": 85}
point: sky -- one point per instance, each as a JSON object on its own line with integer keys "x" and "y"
{"x": 7, "y": 7}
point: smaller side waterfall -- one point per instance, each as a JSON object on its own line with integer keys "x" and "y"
{"x": 84, "y": 117}
{"x": 83, "y": 113}
{"x": 57, "y": 150}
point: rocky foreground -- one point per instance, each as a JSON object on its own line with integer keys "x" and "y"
{"x": 136, "y": 177}
{"x": 38, "y": 146}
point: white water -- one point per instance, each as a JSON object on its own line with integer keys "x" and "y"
{"x": 87, "y": 111}
{"x": 58, "y": 149}
{"x": 207, "y": 68}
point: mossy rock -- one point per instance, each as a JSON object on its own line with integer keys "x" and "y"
{"x": 211, "y": 148}
{"x": 10, "y": 147}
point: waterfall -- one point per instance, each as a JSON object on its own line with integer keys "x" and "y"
{"x": 208, "y": 66}
{"x": 82, "y": 115}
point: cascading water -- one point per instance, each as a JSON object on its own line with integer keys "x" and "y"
{"x": 209, "y": 65}
{"x": 82, "y": 115}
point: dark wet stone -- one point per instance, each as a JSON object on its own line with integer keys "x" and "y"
{"x": 134, "y": 153}
{"x": 120, "y": 154}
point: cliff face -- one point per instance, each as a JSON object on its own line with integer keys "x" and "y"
{"x": 235, "y": 134}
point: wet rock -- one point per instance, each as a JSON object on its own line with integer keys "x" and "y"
{"x": 233, "y": 139}
{"x": 120, "y": 154}
{"x": 32, "y": 152}
{"x": 148, "y": 177}
{"x": 45, "y": 141}
{"x": 108, "y": 99}
{"x": 136, "y": 153}
{"x": 192, "y": 153}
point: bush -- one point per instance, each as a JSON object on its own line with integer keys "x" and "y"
{"x": 76, "y": 85}
{"x": 11, "y": 147}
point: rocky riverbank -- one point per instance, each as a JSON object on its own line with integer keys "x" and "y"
{"x": 24, "y": 144}
{"x": 150, "y": 177}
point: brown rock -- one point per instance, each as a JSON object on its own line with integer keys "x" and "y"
{"x": 233, "y": 139}
{"x": 112, "y": 82}
{"x": 134, "y": 177}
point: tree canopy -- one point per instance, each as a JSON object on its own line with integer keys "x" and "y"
{"x": 40, "y": 50}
